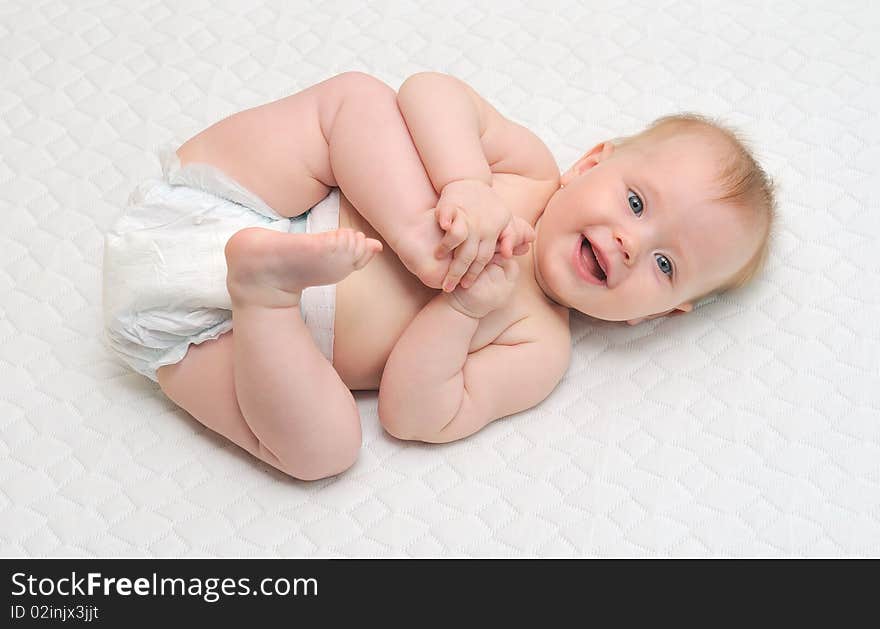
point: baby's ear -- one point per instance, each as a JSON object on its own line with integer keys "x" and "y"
{"x": 598, "y": 153}
{"x": 678, "y": 310}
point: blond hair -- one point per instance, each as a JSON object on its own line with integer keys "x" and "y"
{"x": 743, "y": 183}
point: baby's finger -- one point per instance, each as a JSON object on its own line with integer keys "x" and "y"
{"x": 525, "y": 234}
{"x": 445, "y": 214}
{"x": 484, "y": 254}
{"x": 461, "y": 262}
{"x": 511, "y": 269}
{"x": 455, "y": 235}
{"x": 509, "y": 265}
{"x": 506, "y": 240}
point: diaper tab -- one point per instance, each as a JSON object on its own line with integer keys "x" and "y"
{"x": 210, "y": 179}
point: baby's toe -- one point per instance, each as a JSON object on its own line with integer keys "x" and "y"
{"x": 360, "y": 246}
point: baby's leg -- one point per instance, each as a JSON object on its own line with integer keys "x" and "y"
{"x": 266, "y": 386}
{"x": 344, "y": 132}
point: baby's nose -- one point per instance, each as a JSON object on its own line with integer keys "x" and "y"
{"x": 626, "y": 247}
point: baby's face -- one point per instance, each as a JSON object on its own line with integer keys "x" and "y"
{"x": 647, "y": 211}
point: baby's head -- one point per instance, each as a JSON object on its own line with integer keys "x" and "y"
{"x": 652, "y": 224}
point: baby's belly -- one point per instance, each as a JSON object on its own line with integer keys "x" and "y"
{"x": 373, "y": 308}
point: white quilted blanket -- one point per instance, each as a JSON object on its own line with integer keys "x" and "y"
{"x": 749, "y": 428}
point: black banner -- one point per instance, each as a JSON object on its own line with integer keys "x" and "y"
{"x": 144, "y": 592}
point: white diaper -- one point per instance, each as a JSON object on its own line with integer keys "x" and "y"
{"x": 165, "y": 270}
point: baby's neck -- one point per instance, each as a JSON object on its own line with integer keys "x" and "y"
{"x": 539, "y": 282}
{"x": 536, "y": 274}
{"x": 540, "y": 289}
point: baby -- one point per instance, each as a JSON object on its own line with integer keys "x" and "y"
{"x": 470, "y": 251}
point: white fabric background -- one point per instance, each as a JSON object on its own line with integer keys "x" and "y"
{"x": 749, "y": 428}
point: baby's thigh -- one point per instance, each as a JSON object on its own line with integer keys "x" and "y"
{"x": 203, "y": 385}
{"x": 277, "y": 151}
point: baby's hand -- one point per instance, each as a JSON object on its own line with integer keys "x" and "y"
{"x": 473, "y": 216}
{"x": 513, "y": 241}
{"x": 490, "y": 291}
{"x": 515, "y": 238}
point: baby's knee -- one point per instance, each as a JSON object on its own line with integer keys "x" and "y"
{"x": 360, "y": 84}
{"x": 318, "y": 470}
{"x": 323, "y": 462}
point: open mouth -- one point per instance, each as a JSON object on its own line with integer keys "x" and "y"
{"x": 587, "y": 264}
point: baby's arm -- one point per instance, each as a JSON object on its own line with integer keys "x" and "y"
{"x": 433, "y": 390}
{"x": 459, "y": 135}
{"x": 462, "y": 141}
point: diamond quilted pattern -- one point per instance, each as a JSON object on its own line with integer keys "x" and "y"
{"x": 747, "y": 428}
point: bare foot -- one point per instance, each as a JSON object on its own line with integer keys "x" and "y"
{"x": 415, "y": 247}
{"x": 270, "y": 268}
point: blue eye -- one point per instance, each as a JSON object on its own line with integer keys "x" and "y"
{"x": 664, "y": 264}
{"x": 635, "y": 203}
{"x": 637, "y": 206}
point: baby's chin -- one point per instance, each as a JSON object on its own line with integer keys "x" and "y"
{"x": 590, "y": 310}
{"x": 600, "y": 311}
